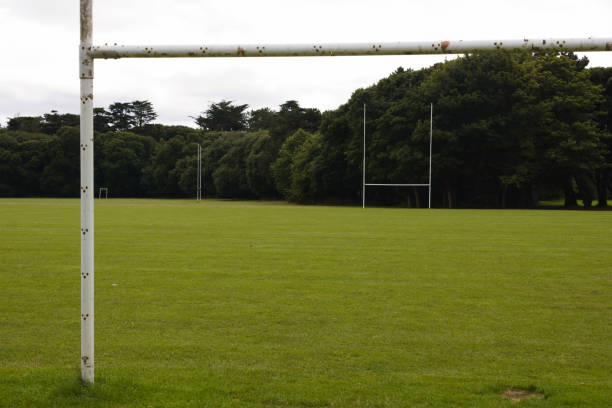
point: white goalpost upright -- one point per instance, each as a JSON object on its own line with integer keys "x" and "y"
{"x": 199, "y": 175}
{"x": 395, "y": 184}
{"x": 430, "y": 149}
{"x": 88, "y": 52}
{"x": 86, "y": 67}
{"x": 363, "y": 190}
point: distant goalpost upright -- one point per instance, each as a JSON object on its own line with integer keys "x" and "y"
{"x": 199, "y": 175}
{"x": 364, "y": 184}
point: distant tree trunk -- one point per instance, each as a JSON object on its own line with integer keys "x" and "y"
{"x": 587, "y": 188}
{"x": 535, "y": 195}
{"x": 417, "y": 197}
{"x": 504, "y": 195}
{"x": 448, "y": 193}
{"x": 570, "y": 194}
{"x": 602, "y": 189}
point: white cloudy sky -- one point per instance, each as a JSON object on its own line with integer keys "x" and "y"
{"x": 39, "y": 38}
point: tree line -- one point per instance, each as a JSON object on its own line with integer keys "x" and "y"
{"x": 510, "y": 129}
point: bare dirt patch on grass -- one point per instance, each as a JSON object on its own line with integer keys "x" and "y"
{"x": 516, "y": 395}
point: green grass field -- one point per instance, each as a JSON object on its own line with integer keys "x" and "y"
{"x": 257, "y": 304}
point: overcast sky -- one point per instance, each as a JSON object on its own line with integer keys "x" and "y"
{"x": 39, "y": 39}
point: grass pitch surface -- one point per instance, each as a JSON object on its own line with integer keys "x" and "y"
{"x": 249, "y": 304}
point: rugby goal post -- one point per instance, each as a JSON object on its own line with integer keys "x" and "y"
{"x": 88, "y": 52}
{"x": 428, "y": 185}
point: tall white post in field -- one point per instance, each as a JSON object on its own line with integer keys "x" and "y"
{"x": 430, "y": 150}
{"x": 199, "y": 175}
{"x": 363, "y": 192}
{"x": 86, "y": 67}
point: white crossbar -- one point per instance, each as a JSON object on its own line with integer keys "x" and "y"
{"x": 346, "y": 49}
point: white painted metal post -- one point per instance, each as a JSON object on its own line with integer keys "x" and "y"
{"x": 430, "y": 149}
{"x": 199, "y": 175}
{"x": 363, "y": 192}
{"x": 346, "y": 49}
{"x": 86, "y": 66}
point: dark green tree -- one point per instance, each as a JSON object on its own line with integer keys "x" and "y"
{"x": 53, "y": 121}
{"x": 142, "y": 112}
{"x": 61, "y": 175}
{"x": 103, "y": 120}
{"x": 479, "y": 123}
{"x": 165, "y": 175}
{"x": 122, "y": 160}
{"x": 32, "y": 124}
{"x": 603, "y": 175}
{"x": 10, "y": 164}
{"x": 292, "y": 117}
{"x": 186, "y": 169}
{"x": 121, "y": 116}
{"x": 223, "y": 116}
{"x": 308, "y": 176}
{"x": 262, "y": 119}
{"x": 230, "y": 175}
{"x": 282, "y": 166}
{"x": 258, "y": 166}
{"x": 568, "y": 141}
